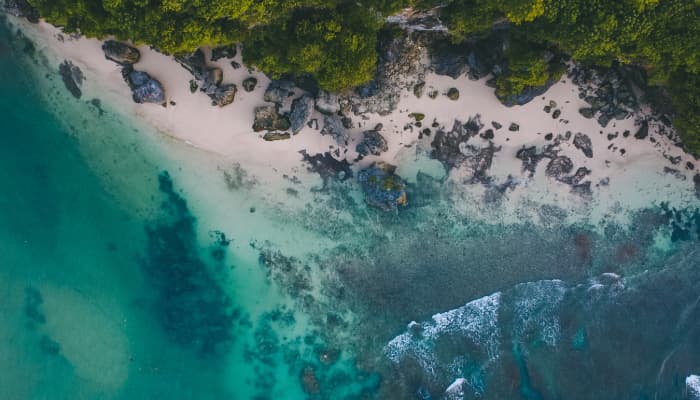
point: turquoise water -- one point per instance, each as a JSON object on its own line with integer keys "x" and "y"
{"x": 131, "y": 268}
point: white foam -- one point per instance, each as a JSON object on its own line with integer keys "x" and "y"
{"x": 692, "y": 385}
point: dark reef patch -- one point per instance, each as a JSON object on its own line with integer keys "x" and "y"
{"x": 192, "y": 307}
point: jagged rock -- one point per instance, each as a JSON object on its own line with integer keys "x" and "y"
{"x": 556, "y": 114}
{"x": 453, "y": 94}
{"x": 249, "y": 84}
{"x": 583, "y": 143}
{"x": 333, "y": 126}
{"x": 268, "y": 118}
{"x": 194, "y": 63}
{"x": 223, "y": 95}
{"x": 488, "y": 134}
{"x": 144, "y": 88}
{"x": 372, "y": 143}
{"x": 300, "y": 112}
{"x": 382, "y": 187}
{"x": 273, "y": 136}
{"x": 120, "y": 53}
{"x": 278, "y": 91}
{"x": 549, "y": 136}
{"x": 603, "y": 120}
{"x": 447, "y": 60}
{"x": 643, "y": 131}
{"x": 559, "y": 166}
{"x": 418, "y": 89}
{"x": 689, "y": 166}
{"x": 220, "y": 52}
{"x": 213, "y": 78}
{"x": 347, "y": 122}
{"x": 72, "y": 77}
{"x": 447, "y": 146}
{"x": 496, "y": 125}
{"x": 477, "y": 161}
{"x": 587, "y": 112}
{"x": 327, "y": 103}
{"x": 514, "y": 127}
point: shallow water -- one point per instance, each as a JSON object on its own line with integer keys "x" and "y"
{"x": 135, "y": 267}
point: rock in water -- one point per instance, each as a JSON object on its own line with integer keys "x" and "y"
{"x": 300, "y": 112}
{"x": 382, "y": 187}
{"x": 268, "y": 118}
{"x": 120, "y": 53}
{"x": 373, "y": 143}
{"x": 249, "y": 84}
{"x": 144, "y": 88}
{"x": 223, "y": 95}
{"x": 72, "y": 77}
{"x": 583, "y": 143}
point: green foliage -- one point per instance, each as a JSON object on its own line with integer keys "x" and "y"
{"x": 685, "y": 92}
{"x": 337, "y": 47}
{"x": 526, "y": 68}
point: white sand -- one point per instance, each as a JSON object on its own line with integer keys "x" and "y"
{"x": 636, "y": 178}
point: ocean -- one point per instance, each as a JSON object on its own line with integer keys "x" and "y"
{"x": 135, "y": 267}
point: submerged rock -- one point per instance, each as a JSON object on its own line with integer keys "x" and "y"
{"x": 300, "y": 112}
{"x": 447, "y": 146}
{"x": 120, "y": 53}
{"x": 144, "y": 88}
{"x": 268, "y": 118}
{"x": 72, "y": 77}
{"x": 559, "y": 167}
{"x": 382, "y": 187}
{"x": 327, "y": 166}
{"x": 309, "y": 381}
{"x": 372, "y": 143}
{"x": 583, "y": 143}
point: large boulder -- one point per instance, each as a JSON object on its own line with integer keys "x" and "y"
{"x": 382, "y": 187}
{"x": 223, "y": 95}
{"x": 278, "y": 91}
{"x": 120, "y": 53}
{"x": 300, "y": 112}
{"x": 333, "y": 126}
{"x": 268, "y": 118}
{"x": 144, "y": 88}
{"x": 372, "y": 143}
{"x": 327, "y": 103}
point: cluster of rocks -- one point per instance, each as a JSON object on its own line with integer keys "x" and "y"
{"x": 373, "y": 143}
{"x": 559, "y": 166}
{"x": 144, "y": 88}
{"x": 610, "y": 93}
{"x": 207, "y": 79}
{"x": 20, "y": 8}
{"x": 382, "y": 187}
{"x": 271, "y": 119}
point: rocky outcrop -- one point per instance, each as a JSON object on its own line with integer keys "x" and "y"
{"x": 382, "y": 187}
{"x": 144, "y": 88}
{"x": 333, "y": 126}
{"x": 300, "y": 112}
{"x": 72, "y": 77}
{"x": 609, "y": 92}
{"x": 447, "y": 146}
{"x": 373, "y": 143}
{"x": 268, "y": 118}
{"x": 327, "y": 103}
{"x": 223, "y": 95}
{"x": 120, "y": 53}
{"x": 583, "y": 143}
{"x": 559, "y": 167}
{"x": 20, "y": 8}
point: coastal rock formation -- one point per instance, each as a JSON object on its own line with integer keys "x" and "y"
{"x": 372, "y": 143}
{"x": 144, "y": 88}
{"x": 327, "y": 103}
{"x": 447, "y": 146}
{"x": 608, "y": 91}
{"x": 120, "y": 53}
{"x": 209, "y": 79}
{"x": 382, "y": 187}
{"x": 20, "y": 8}
{"x": 220, "y": 52}
{"x": 223, "y": 95}
{"x": 333, "y": 126}
{"x": 559, "y": 167}
{"x": 72, "y": 77}
{"x": 268, "y": 118}
{"x": 300, "y": 112}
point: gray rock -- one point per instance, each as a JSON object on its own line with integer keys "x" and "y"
{"x": 300, "y": 112}
{"x": 583, "y": 143}
{"x": 120, "y": 53}
{"x": 514, "y": 127}
{"x": 249, "y": 84}
{"x": 144, "y": 88}
{"x": 643, "y": 131}
{"x": 72, "y": 77}
{"x": 382, "y": 187}
{"x": 556, "y": 114}
{"x": 278, "y": 91}
{"x": 587, "y": 112}
{"x": 20, "y": 8}
{"x": 327, "y": 103}
{"x": 268, "y": 118}
{"x": 696, "y": 182}
{"x": 333, "y": 126}
{"x": 372, "y": 143}
{"x": 418, "y": 89}
{"x": 453, "y": 94}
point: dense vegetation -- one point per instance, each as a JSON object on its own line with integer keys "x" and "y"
{"x": 334, "y": 40}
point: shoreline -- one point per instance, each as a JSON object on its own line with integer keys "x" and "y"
{"x": 629, "y": 181}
